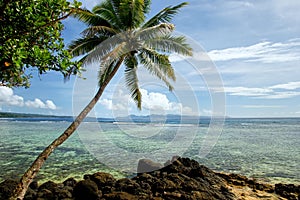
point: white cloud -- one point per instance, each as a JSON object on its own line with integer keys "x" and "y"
{"x": 50, "y": 105}
{"x": 264, "y": 52}
{"x": 287, "y": 86}
{"x": 264, "y": 93}
{"x": 281, "y": 95}
{"x": 8, "y": 98}
{"x": 158, "y": 101}
{"x": 152, "y": 103}
{"x": 108, "y": 104}
{"x": 247, "y": 91}
{"x": 174, "y": 57}
{"x": 37, "y": 103}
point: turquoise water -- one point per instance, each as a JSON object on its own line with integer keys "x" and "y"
{"x": 265, "y": 149}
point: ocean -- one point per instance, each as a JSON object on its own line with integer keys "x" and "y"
{"x": 264, "y": 149}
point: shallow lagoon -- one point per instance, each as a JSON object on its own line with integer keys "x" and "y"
{"x": 266, "y": 149}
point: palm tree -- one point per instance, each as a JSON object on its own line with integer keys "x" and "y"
{"x": 132, "y": 42}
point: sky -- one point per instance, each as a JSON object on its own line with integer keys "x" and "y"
{"x": 248, "y": 49}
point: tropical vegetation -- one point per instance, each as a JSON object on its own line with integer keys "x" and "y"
{"x": 31, "y": 41}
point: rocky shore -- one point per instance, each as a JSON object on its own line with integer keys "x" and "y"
{"x": 182, "y": 178}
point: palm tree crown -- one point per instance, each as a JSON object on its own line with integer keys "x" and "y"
{"x": 132, "y": 41}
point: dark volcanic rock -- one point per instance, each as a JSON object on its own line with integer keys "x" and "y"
{"x": 183, "y": 179}
{"x": 7, "y": 187}
{"x": 34, "y": 185}
{"x": 128, "y": 185}
{"x": 71, "y": 182}
{"x": 30, "y": 194}
{"x": 51, "y": 190}
{"x": 102, "y": 179}
{"x": 86, "y": 189}
{"x": 289, "y": 191}
{"x": 195, "y": 181}
{"x": 49, "y": 185}
{"x": 146, "y": 165}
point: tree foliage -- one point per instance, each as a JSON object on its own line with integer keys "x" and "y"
{"x": 31, "y": 40}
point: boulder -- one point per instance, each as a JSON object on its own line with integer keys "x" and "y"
{"x": 147, "y": 165}
{"x": 102, "y": 179}
{"x": 71, "y": 182}
{"x": 86, "y": 189}
{"x": 7, "y": 187}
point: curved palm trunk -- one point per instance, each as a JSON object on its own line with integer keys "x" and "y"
{"x": 30, "y": 174}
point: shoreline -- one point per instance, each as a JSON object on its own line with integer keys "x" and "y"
{"x": 183, "y": 178}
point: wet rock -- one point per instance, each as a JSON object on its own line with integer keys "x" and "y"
{"x": 65, "y": 193}
{"x": 34, "y": 185}
{"x": 147, "y": 178}
{"x": 45, "y": 194}
{"x": 163, "y": 185}
{"x": 187, "y": 178}
{"x": 128, "y": 185}
{"x": 71, "y": 182}
{"x": 7, "y": 187}
{"x": 48, "y": 190}
{"x": 289, "y": 191}
{"x": 102, "y": 179}
{"x": 172, "y": 195}
{"x": 120, "y": 196}
{"x": 50, "y": 185}
{"x": 146, "y": 165}
{"x": 86, "y": 189}
{"x": 56, "y": 191}
{"x": 198, "y": 195}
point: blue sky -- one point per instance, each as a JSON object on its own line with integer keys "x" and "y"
{"x": 254, "y": 47}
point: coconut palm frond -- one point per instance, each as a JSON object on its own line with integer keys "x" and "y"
{"x": 108, "y": 10}
{"x": 89, "y": 18}
{"x": 164, "y": 16}
{"x": 98, "y": 30}
{"x": 108, "y": 60}
{"x": 147, "y": 4}
{"x": 158, "y": 66}
{"x": 84, "y": 45}
{"x": 104, "y": 73}
{"x": 170, "y": 44}
{"x": 131, "y": 79}
{"x": 105, "y": 49}
{"x": 155, "y": 31}
{"x": 161, "y": 61}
